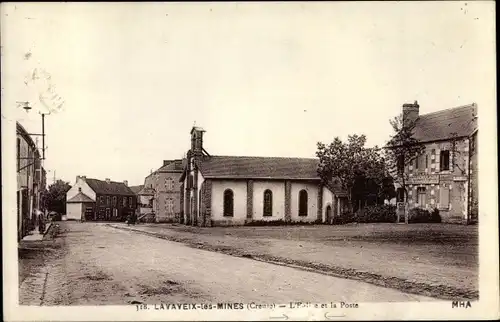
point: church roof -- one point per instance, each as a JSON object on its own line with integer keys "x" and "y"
{"x": 80, "y": 197}
{"x": 236, "y": 167}
{"x": 111, "y": 188}
{"x": 446, "y": 124}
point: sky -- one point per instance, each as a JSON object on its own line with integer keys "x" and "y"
{"x": 263, "y": 79}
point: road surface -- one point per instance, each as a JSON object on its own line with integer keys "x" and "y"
{"x": 101, "y": 265}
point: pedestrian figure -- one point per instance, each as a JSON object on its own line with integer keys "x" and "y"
{"x": 41, "y": 224}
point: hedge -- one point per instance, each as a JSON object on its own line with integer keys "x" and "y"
{"x": 419, "y": 215}
{"x": 376, "y": 214}
{"x": 387, "y": 214}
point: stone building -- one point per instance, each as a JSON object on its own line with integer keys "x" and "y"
{"x": 444, "y": 175}
{"x": 99, "y": 200}
{"x": 31, "y": 181}
{"x": 163, "y": 188}
{"x": 231, "y": 190}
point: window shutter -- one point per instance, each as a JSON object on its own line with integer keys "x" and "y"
{"x": 444, "y": 196}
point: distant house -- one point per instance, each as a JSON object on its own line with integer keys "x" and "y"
{"x": 444, "y": 175}
{"x": 162, "y": 189}
{"x": 238, "y": 190}
{"x": 136, "y": 189}
{"x": 144, "y": 200}
{"x": 98, "y": 200}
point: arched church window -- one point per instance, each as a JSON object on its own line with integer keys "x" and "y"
{"x": 303, "y": 203}
{"x": 268, "y": 203}
{"x": 228, "y": 203}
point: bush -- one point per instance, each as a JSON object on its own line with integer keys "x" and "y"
{"x": 419, "y": 215}
{"x": 377, "y": 214}
{"x": 344, "y": 218}
{"x": 435, "y": 217}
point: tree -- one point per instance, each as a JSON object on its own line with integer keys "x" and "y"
{"x": 55, "y": 197}
{"x": 387, "y": 190}
{"x": 351, "y": 163}
{"x": 401, "y": 150}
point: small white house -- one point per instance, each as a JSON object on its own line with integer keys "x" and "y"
{"x": 77, "y": 205}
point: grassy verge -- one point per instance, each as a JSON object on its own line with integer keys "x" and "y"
{"x": 431, "y": 290}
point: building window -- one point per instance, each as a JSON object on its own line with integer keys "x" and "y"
{"x": 114, "y": 201}
{"x": 444, "y": 160}
{"x": 108, "y": 213}
{"x": 268, "y": 203}
{"x": 102, "y": 200}
{"x": 107, "y": 200}
{"x": 421, "y": 196}
{"x": 124, "y": 201}
{"x": 303, "y": 203}
{"x": 426, "y": 161}
{"x": 169, "y": 184}
{"x": 444, "y": 196}
{"x": 228, "y": 203}
{"x": 130, "y": 202}
{"x": 190, "y": 181}
{"x": 169, "y": 206}
{"x": 417, "y": 158}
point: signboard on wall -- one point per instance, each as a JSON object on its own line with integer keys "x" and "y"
{"x": 424, "y": 179}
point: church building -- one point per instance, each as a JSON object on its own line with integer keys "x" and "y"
{"x": 234, "y": 190}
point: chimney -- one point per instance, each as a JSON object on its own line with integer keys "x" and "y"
{"x": 125, "y": 182}
{"x": 410, "y": 113}
{"x": 197, "y": 141}
{"x": 108, "y": 180}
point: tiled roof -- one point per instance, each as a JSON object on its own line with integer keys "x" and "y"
{"x": 174, "y": 166}
{"x": 259, "y": 167}
{"x": 336, "y": 188}
{"x": 445, "y": 124}
{"x": 80, "y": 197}
{"x": 111, "y": 188}
{"x": 136, "y": 189}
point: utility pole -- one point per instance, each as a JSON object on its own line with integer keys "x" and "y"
{"x": 43, "y": 136}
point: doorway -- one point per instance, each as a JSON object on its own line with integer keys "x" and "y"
{"x": 328, "y": 214}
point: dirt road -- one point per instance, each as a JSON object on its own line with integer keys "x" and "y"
{"x": 99, "y": 265}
